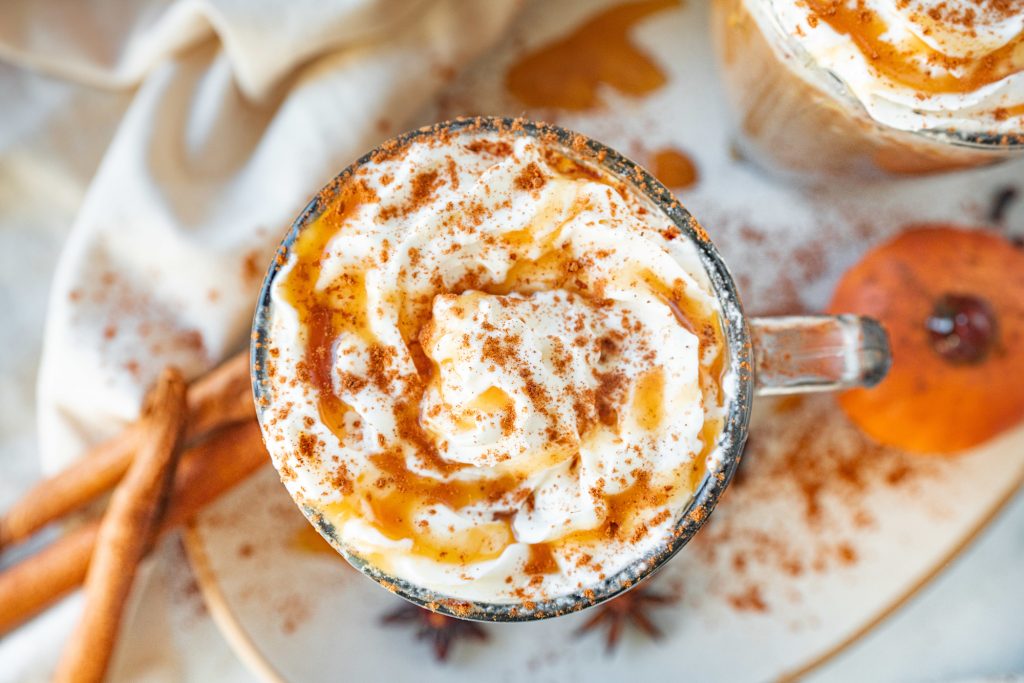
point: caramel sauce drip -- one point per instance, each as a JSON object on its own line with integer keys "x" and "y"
{"x": 867, "y": 30}
{"x": 647, "y": 399}
{"x": 322, "y": 332}
{"x": 308, "y": 540}
{"x": 574, "y": 170}
{"x": 674, "y": 169}
{"x": 492, "y": 401}
{"x": 566, "y": 73}
{"x": 400, "y": 493}
{"x": 686, "y": 310}
{"x": 708, "y": 436}
{"x": 542, "y": 560}
{"x": 623, "y": 507}
{"x": 325, "y": 314}
{"x": 1003, "y": 113}
{"x": 399, "y": 497}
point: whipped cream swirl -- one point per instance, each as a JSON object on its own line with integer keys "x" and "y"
{"x": 495, "y": 370}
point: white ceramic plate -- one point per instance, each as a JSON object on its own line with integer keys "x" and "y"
{"x": 820, "y": 539}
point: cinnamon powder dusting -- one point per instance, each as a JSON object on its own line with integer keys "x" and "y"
{"x": 806, "y": 456}
{"x": 531, "y": 178}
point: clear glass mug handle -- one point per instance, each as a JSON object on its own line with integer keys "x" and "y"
{"x": 798, "y": 354}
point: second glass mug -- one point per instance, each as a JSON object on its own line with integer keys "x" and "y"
{"x": 774, "y": 355}
{"x": 795, "y": 117}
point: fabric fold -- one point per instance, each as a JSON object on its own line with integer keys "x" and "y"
{"x": 108, "y": 44}
{"x": 196, "y": 189}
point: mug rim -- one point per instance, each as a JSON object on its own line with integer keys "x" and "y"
{"x": 723, "y": 459}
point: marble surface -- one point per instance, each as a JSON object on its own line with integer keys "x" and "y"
{"x": 967, "y": 624}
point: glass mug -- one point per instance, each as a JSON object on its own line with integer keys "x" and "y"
{"x": 795, "y": 116}
{"x": 776, "y": 355}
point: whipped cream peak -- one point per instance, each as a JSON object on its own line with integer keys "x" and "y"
{"x": 496, "y": 370}
{"x": 516, "y": 381}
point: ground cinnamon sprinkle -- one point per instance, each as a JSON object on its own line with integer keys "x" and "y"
{"x": 496, "y": 148}
{"x": 422, "y": 188}
{"x": 130, "y": 318}
{"x": 609, "y": 396}
{"x": 749, "y": 601}
{"x": 309, "y": 447}
{"x": 252, "y": 267}
{"x": 508, "y": 419}
{"x": 809, "y": 455}
{"x": 342, "y": 481}
{"x": 351, "y": 383}
{"x": 531, "y": 178}
{"x": 380, "y": 371}
{"x": 847, "y": 555}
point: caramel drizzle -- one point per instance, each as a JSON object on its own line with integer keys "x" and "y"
{"x": 404, "y": 492}
{"x": 324, "y": 315}
{"x": 866, "y": 28}
{"x": 567, "y": 72}
{"x": 399, "y": 494}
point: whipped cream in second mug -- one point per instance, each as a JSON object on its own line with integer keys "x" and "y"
{"x": 916, "y": 64}
{"x": 496, "y": 372}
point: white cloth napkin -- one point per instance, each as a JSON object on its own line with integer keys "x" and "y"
{"x": 243, "y": 111}
{"x": 240, "y": 110}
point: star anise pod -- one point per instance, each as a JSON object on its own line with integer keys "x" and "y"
{"x": 439, "y": 629}
{"x": 632, "y": 607}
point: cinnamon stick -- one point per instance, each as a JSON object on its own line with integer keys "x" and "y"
{"x": 220, "y": 397}
{"x": 205, "y": 471}
{"x": 27, "y": 588}
{"x": 82, "y": 481}
{"x": 126, "y": 532}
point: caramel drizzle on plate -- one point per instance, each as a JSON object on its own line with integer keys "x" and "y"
{"x": 567, "y": 72}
